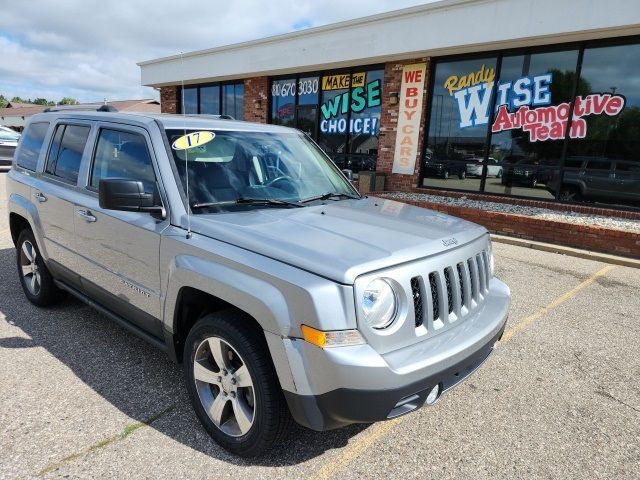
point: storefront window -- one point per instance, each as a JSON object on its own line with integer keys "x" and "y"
{"x": 603, "y": 163}
{"x": 350, "y": 118}
{"x": 190, "y": 100}
{"x": 533, "y": 98}
{"x": 215, "y": 100}
{"x": 233, "y": 100}
{"x": 460, "y": 114}
{"x": 283, "y": 102}
{"x": 210, "y": 100}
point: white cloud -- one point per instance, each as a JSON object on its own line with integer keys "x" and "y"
{"x": 88, "y": 49}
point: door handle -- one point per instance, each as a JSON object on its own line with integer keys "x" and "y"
{"x": 86, "y": 214}
{"x": 40, "y": 197}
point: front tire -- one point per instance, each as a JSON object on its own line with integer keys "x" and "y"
{"x": 36, "y": 280}
{"x": 462, "y": 175}
{"x": 232, "y": 384}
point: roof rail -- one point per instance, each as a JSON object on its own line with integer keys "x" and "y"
{"x": 208, "y": 115}
{"x": 91, "y": 107}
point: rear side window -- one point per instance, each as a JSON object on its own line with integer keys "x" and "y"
{"x": 31, "y": 144}
{"x": 66, "y": 151}
{"x": 598, "y": 165}
{"x": 123, "y": 155}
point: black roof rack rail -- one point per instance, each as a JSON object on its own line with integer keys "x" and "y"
{"x": 97, "y": 107}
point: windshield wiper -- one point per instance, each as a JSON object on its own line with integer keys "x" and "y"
{"x": 327, "y": 196}
{"x": 265, "y": 201}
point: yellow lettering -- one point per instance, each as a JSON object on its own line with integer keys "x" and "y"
{"x": 483, "y": 75}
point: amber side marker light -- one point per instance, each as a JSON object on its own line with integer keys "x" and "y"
{"x": 333, "y": 338}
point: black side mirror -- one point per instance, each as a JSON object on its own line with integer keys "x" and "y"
{"x": 126, "y": 195}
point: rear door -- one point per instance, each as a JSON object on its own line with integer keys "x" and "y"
{"x": 627, "y": 180}
{"x": 54, "y": 193}
{"x": 598, "y": 178}
{"x": 119, "y": 251}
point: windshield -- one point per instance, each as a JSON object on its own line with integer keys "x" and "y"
{"x": 232, "y": 168}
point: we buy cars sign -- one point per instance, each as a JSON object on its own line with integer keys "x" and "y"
{"x": 404, "y": 159}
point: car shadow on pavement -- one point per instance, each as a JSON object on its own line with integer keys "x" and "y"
{"x": 133, "y": 376}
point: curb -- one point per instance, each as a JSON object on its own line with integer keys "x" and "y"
{"x": 570, "y": 251}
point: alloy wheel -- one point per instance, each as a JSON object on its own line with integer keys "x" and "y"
{"x": 29, "y": 268}
{"x": 224, "y": 386}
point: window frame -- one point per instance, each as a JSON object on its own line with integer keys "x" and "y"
{"x": 94, "y": 150}
{"x": 580, "y": 46}
{"x": 66, "y": 123}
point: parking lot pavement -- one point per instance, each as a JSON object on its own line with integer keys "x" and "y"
{"x": 560, "y": 398}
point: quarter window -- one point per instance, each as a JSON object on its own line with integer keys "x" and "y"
{"x": 123, "y": 155}
{"x": 66, "y": 151}
{"x": 32, "y": 144}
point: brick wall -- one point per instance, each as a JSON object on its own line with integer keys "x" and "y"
{"x": 388, "y": 126}
{"x": 256, "y": 89}
{"x": 595, "y": 238}
{"x": 169, "y": 99}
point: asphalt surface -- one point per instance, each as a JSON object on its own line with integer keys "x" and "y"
{"x": 560, "y": 398}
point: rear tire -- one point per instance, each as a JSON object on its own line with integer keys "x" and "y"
{"x": 445, "y": 175}
{"x": 240, "y": 403}
{"x": 462, "y": 175}
{"x": 36, "y": 280}
{"x": 569, "y": 193}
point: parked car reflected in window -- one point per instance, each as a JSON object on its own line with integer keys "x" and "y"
{"x": 590, "y": 179}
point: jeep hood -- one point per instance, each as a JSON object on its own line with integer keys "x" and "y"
{"x": 340, "y": 239}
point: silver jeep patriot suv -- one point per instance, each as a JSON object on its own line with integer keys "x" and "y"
{"x": 244, "y": 253}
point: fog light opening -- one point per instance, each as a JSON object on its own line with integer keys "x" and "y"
{"x": 434, "y": 395}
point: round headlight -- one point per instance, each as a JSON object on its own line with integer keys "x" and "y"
{"x": 379, "y": 304}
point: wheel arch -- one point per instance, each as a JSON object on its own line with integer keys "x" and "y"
{"x": 197, "y": 287}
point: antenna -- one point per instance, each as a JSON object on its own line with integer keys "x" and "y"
{"x": 186, "y": 150}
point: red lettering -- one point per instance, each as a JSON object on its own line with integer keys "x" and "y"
{"x": 409, "y": 114}
{"x": 503, "y": 120}
{"x": 405, "y": 150}
{"x": 599, "y": 102}
{"x": 615, "y": 105}
{"x": 412, "y": 76}
{"x": 411, "y": 92}
{"x": 411, "y": 103}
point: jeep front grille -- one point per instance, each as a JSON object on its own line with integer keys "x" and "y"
{"x": 452, "y": 292}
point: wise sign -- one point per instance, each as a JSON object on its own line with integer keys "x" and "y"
{"x": 412, "y": 85}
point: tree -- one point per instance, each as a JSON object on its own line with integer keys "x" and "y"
{"x": 43, "y": 101}
{"x": 20, "y": 100}
{"x": 68, "y": 101}
{"x": 3, "y": 101}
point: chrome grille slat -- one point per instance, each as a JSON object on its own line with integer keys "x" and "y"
{"x": 435, "y": 297}
{"x": 473, "y": 272}
{"x": 481, "y": 274}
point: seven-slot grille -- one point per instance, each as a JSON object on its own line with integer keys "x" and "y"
{"x": 444, "y": 296}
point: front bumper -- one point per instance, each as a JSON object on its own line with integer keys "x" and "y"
{"x": 344, "y": 385}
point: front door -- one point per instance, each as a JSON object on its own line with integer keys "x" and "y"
{"x": 119, "y": 250}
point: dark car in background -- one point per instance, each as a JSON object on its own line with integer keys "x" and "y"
{"x": 519, "y": 170}
{"x": 8, "y": 143}
{"x": 599, "y": 179}
{"x": 444, "y": 168}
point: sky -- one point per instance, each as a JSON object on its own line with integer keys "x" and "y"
{"x": 88, "y": 49}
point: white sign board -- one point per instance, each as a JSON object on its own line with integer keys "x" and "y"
{"x": 409, "y": 116}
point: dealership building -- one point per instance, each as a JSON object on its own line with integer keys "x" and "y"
{"x": 503, "y": 99}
